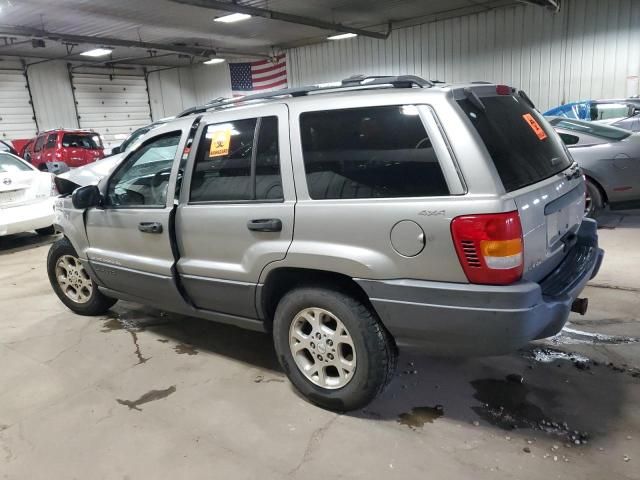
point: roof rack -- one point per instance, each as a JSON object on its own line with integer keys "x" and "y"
{"x": 353, "y": 82}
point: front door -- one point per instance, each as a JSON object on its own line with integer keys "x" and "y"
{"x": 129, "y": 241}
{"x": 237, "y": 208}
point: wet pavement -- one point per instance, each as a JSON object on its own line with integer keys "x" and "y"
{"x": 141, "y": 393}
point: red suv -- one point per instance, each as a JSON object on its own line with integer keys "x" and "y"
{"x": 72, "y": 147}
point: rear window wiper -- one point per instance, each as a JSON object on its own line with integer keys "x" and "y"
{"x": 526, "y": 98}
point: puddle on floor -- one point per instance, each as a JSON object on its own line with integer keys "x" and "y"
{"x": 185, "y": 349}
{"x": 117, "y": 323}
{"x": 505, "y": 404}
{"x": 150, "y": 396}
{"x": 571, "y": 336}
{"x": 419, "y": 416}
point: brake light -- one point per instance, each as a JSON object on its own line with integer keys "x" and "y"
{"x": 503, "y": 90}
{"x": 489, "y": 247}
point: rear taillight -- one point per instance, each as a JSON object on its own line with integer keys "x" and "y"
{"x": 489, "y": 247}
{"x": 54, "y": 188}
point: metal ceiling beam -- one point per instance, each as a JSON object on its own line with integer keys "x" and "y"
{"x": 284, "y": 17}
{"x": 4, "y": 46}
{"x": 117, "y": 42}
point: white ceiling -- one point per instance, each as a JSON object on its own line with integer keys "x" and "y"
{"x": 167, "y": 22}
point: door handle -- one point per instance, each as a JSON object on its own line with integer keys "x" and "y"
{"x": 265, "y": 225}
{"x": 150, "y": 227}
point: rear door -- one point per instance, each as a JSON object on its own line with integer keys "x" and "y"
{"x": 236, "y": 216}
{"x": 129, "y": 239}
{"x": 536, "y": 171}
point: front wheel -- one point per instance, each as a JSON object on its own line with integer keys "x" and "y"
{"x": 333, "y": 348}
{"x": 72, "y": 283}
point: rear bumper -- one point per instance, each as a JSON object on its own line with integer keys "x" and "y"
{"x": 26, "y": 217}
{"x": 467, "y": 319}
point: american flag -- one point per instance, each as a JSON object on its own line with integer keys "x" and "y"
{"x": 258, "y": 77}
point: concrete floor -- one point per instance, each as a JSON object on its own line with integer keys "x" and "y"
{"x": 142, "y": 394}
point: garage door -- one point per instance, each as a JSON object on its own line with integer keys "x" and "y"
{"x": 16, "y": 114}
{"x": 112, "y": 105}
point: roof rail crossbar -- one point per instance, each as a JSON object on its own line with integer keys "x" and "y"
{"x": 401, "y": 81}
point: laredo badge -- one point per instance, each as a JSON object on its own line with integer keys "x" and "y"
{"x": 220, "y": 141}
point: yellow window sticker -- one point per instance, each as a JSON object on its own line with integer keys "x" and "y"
{"x": 220, "y": 140}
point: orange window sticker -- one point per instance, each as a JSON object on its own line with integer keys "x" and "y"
{"x": 220, "y": 141}
{"x": 535, "y": 126}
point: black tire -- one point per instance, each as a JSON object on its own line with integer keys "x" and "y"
{"x": 97, "y": 303}
{"x": 595, "y": 202}
{"x": 375, "y": 350}
{"x": 50, "y": 230}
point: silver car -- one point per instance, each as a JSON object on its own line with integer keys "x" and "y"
{"x": 345, "y": 220}
{"x": 610, "y": 160}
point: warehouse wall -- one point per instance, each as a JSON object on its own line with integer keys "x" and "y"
{"x": 591, "y": 49}
{"x": 172, "y": 91}
{"x": 52, "y": 96}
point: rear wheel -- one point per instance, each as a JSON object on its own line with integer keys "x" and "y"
{"x": 46, "y": 231}
{"x": 72, "y": 283}
{"x": 593, "y": 202}
{"x": 333, "y": 348}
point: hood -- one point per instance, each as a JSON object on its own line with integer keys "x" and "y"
{"x": 89, "y": 174}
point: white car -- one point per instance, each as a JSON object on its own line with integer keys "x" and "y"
{"x": 26, "y": 197}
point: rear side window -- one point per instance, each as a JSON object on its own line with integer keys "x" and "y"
{"x": 51, "y": 141}
{"x": 374, "y": 152}
{"x": 238, "y": 161}
{"x": 89, "y": 141}
{"x": 524, "y": 148}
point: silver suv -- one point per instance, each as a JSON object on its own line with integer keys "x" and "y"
{"x": 347, "y": 220}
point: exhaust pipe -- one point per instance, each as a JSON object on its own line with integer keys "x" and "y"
{"x": 580, "y": 305}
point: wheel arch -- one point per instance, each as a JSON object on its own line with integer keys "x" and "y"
{"x": 598, "y": 185}
{"x": 281, "y": 280}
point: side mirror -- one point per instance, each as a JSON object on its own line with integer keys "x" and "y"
{"x": 115, "y": 150}
{"x": 86, "y": 197}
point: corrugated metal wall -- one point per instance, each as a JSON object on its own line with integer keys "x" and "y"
{"x": 591, "y": 49}
{"x": 172, "y": 91}
{"x": 52, "y": 96}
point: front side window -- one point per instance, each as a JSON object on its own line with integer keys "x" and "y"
{"x": 143, "y": 179}
{"x": 51, "y": 141}
{"x": 606, "y": 111}
{"x": 238, "y": 161}
{"x": 39, "y": 143}
{"x": 374, "y": 152}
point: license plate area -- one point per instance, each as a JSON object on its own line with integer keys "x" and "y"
{"x": 563, "y": 220}
{"x": 12, "y": 196}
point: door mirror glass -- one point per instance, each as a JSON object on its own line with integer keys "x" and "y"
{"x": 86, "y": 197}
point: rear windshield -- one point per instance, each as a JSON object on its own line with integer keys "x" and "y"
{"x": 595, "y": 129}
{"x": 9, "y": 164}
{"x": 90, "y": 141}
{"x": 524, "y": 148}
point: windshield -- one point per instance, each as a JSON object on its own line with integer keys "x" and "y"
{"x": 133, "y": 137}
{"x": 10, "y": 164}
{"x": 89, "y": 141}
{"x": 595, "y": 129}
{"x": 524, "y": 148}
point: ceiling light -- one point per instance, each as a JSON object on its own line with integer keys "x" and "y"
{"x": 342, "y": 36}
{"x": 213, "y": 61}
{"x": 97, "y": 52}
{"x": 234, "y": 17}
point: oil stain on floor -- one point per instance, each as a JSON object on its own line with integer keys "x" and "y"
{"x": 150, "y": 396}
{"x": 185, "y": 349}
{"x": 419, "y": 416}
